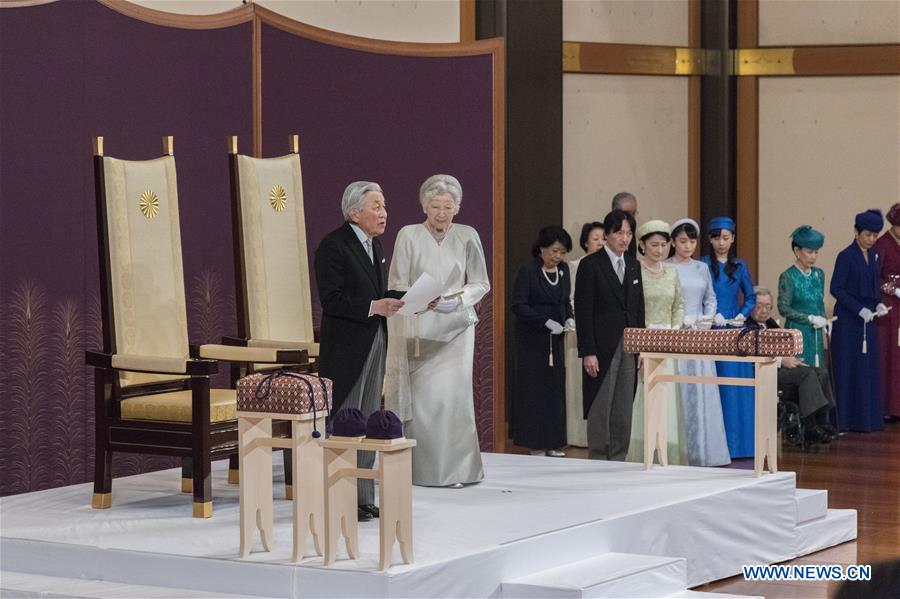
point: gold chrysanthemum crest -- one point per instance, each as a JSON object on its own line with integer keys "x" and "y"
{"x": 149, "y": 203}
{"x": 278, "y": 198}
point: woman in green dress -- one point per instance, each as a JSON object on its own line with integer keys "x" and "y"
{"x": 664, "y": 309}
{"x": 801, "y": 294}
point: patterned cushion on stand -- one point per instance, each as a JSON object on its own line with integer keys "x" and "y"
{"x": 283, "y": 392}
{"x": 719, "y": 342}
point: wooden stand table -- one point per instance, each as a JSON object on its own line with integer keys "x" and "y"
{"x": 255, "y": 443}
{"x": 764, "y": 381}
{"x": 394, "y": 474}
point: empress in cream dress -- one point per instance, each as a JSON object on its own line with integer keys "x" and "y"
{"x": 428, "y": 379}
{"x": 664, "y": 309}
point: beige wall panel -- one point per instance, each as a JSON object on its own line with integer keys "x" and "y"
{"x": 823, "y": 22}
{"x": 395, "y": 20}
{"x": 829, "y": 147}
{"x": 628, "y": 133}
{"x": 658, "y": 22}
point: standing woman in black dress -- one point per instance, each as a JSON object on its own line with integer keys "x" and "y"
{"x": 543, "y": 314}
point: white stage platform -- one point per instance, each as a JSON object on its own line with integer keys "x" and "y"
{"x": 612, "y": 525}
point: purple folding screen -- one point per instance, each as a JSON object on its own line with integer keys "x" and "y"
{"x": 73, "y": 70}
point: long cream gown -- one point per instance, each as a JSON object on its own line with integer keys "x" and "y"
{"x": 428, "y": 380}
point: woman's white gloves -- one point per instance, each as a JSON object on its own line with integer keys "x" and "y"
{"x": 719, "y": 320}
{"x": 881, "y": 310}
{"x": 867, "y": 315}
{"x": 570, "y": 324}
{"x": 448, "y": 305}
{"x": 818, "y": 322}
{"x": 555, "y": 327}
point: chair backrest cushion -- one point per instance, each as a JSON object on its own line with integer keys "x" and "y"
{"x": 276, "y": 267}
{"x": 146, "y": 272}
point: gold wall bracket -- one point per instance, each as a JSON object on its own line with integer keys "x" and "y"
{"x": 763, "y": 61}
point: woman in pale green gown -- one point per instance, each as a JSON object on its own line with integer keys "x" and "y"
{"x": 664, "y": 309}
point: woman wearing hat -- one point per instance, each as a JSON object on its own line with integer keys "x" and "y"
{"x": 732, "y": 282}
{"x": 543, "y": 310}
{"x": 663, "y": 309}
{"x": 592, "y": 239}
{"x": 801, "y": 294}
{"x": 856, "y": 285}
{"x": 888, "y": 248}
{"x": 701, "y": 405}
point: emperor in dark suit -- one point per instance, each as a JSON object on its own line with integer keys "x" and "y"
{"x": 609, "y": 297}
{"x": 352, "y": 276}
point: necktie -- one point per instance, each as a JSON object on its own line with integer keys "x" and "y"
{"x": 620, "y": 269}
{"x": 368, "y": 245}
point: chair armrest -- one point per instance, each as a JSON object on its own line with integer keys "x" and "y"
{"x": 151, "y": 364}
{"x": 261, "y": 355}
{"x": 311, "y": 347}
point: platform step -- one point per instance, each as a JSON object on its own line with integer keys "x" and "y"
{"x": 608, "y": 575}
{"x": 702, "y": 595}
{"x": 19, "y": 585}
{"x": 811, "y": 504}
{"x": 836, "y": 527}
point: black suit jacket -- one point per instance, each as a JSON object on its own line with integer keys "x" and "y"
{"x": 603, "y": 309}
{"x": 348, "y": 282}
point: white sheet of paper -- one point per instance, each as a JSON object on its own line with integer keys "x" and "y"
{"x": 420, "y": 295}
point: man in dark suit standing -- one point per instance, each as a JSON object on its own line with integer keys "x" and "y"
{"x": 352, "y": 276}
{"x": 609, "y": 297}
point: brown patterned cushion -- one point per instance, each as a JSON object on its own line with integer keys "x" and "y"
{"x": 720, "y": 342}
{"x": 283, "y": 392}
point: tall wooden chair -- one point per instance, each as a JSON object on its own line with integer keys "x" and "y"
{"x": 274, "y": 306}
{"x": 152, "y": 390}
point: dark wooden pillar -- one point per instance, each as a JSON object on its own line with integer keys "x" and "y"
{"x": 533, "y": 33}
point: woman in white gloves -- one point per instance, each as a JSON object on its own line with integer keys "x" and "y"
{"x": 801, "y": 294}
{"x": 428, "y": 379}
{"x": 856, "y": 285}
{"x": 543, "y": 310}
{"x": 702, "y": 408}
{"x": 663, "y": 309}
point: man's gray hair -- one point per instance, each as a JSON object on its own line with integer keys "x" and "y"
{"x": 437, "y": 185}
{"x": 354, "y": 194}
{"x": 760, "y": 290}
{"x": 621, "y": 198}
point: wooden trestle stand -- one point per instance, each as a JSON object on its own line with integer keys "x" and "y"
{"x": 394, "y": 474}
{"x": 764, "y": 381}
{"x": 255, "y": 453}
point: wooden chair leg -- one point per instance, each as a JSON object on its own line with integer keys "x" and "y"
{"x": 187, "y": 475}
{"x": 233, "y": 466}
{"x": 200, "y": 454}
{"x": 288, "y": 474}
{"x": 102, "y": 497}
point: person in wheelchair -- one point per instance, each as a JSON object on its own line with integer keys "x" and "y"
{"x": 810, "y": 384}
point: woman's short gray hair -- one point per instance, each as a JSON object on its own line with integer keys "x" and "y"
{"x": 437, "y": 185}
{"x": 354, "y": 194}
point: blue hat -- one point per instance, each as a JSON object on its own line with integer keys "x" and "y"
{"x": 870, "y": 220}
{"x": 348, "y": 422}
{"x": 722, "y": 222}
{"x": 384, "y": 425}
{"x": 807, "y": 237}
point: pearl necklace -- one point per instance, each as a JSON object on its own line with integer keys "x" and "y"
{"x": 660, "y": 269}
{"x": 558, "y": 274}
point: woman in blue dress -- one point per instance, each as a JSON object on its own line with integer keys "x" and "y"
{"x": 732, "y": 283}
{"x": 702, "y": 408}
{"x": 855, "y": 285}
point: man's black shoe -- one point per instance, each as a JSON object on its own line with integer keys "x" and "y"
{"x": 370, "y": 509}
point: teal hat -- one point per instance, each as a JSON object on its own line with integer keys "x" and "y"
{"x": 807, "y": 237}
